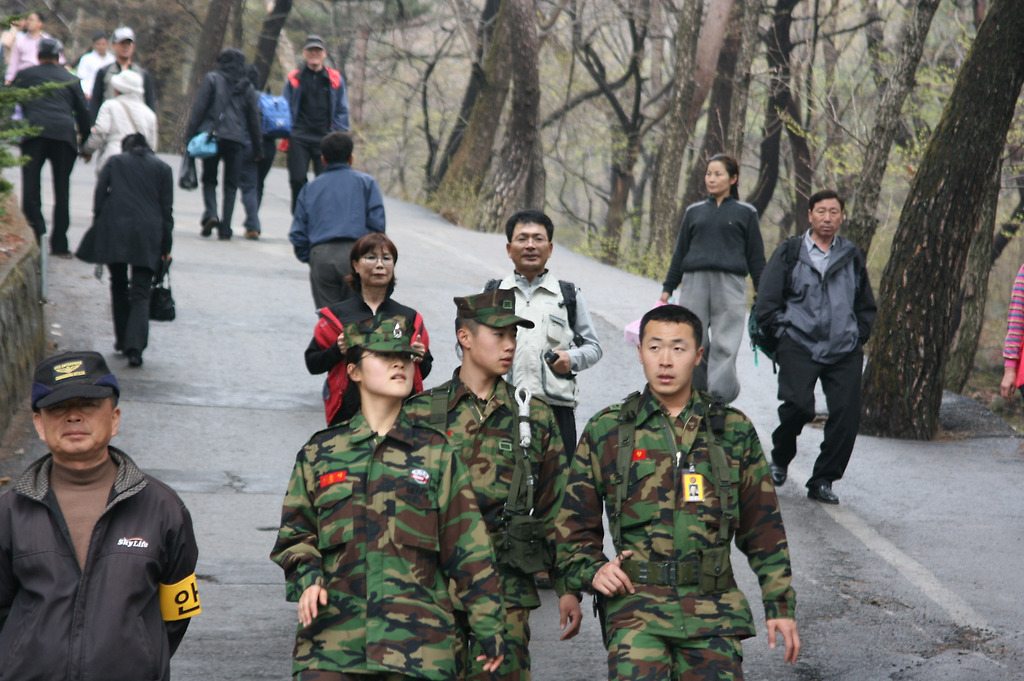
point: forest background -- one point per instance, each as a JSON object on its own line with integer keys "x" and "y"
{"x": 603, "y": 112}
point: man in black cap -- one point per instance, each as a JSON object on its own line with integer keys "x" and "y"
{"x": 97, "y": 559}
{"x": 56, "y": 115}
{"x": 319, "y": 105}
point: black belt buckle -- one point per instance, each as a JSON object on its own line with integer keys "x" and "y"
{"x": 669, "y": 571}
{"x": 643, "y": 573}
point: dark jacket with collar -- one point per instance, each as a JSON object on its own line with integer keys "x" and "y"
{"x": 339, "y": 98}
{"x": 60, "y": 622}
{"x": 132, "y": 212}
{"x": 724, "y": 238}
{"x": 828, "y": 315}
{"x": 103, "y": 76}
{"x": 227, "y": 104}
{"x": 57, "y": 112}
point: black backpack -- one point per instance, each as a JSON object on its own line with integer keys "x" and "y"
{"x": 761, "y": 340}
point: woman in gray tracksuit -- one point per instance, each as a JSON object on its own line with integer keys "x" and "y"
{"x": 719, "y": 244}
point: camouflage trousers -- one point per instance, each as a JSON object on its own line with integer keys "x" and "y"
{"x": 643, "y": 656}
{"x": 317, "y": 675}
{"x": 515, "y": 666}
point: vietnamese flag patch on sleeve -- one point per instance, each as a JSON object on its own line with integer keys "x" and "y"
{"x": 639, "y": 455}
{"x": 330, "y": 478}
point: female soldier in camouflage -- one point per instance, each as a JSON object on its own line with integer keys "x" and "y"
{"x": 378, "y": 517}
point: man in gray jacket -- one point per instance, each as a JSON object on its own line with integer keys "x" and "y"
{"x": 816, "y": 299}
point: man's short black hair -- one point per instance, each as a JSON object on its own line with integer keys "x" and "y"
{"x": 99, "y": 35}
{"x": 527, "y": 217}
{"x": 336, "y": 147}
{"x": 823, "y": 195}
{"x": 673, "y": 314}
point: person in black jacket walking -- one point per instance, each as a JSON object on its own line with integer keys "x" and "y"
{"x": 97, "y": 559}
{"x": 56, "y": 113}
{"x": 132, "y": 223}
{"x": 820, "y": 307}
{"x": 227, "y": 105}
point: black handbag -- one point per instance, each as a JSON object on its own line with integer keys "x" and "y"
{"x": 187, "y": 178}
{"x": 161, "y": 303}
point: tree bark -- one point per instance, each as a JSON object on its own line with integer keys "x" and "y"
{"x": 211, "y": 38}
{"x": 518, "y": 160}
{"x": 780, "y": 97}
{"x": 719, "y": 105}
{"x": 477, "y": 83}
{"x": 861, "y": 226}
{"x": 904, "y": 376}
{"x": 969, "y": 315}
{"x": 266, "y": 44}
{"x": 742, "y": 76}
{"x": 457, "y": 191}
{"x": 668, "y": 164}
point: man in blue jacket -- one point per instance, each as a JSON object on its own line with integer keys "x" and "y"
{"x": 319, "y": 105}
{"x": 331, "y": 212}
{"x": 97, "y": 559}
{"x": 815, "y": 298}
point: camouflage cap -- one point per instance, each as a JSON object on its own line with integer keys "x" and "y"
{"x": 495, "y": 308}
{"x": 382, "y": 334}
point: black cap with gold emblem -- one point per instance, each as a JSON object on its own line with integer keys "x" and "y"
{"x": 70, "y": 375}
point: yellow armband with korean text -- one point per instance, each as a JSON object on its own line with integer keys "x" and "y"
{"x": 180, "y": 601}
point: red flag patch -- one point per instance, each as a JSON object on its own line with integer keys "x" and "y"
{"x": 331, "y": 478}
{"x": 639, "y": 455}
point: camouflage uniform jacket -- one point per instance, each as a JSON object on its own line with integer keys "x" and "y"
{"x": 485, "y": 433}
{"x": 659, "y": 525}
{"x": 384, "y": 523}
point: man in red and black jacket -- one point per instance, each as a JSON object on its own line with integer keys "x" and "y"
{"x": 319, "y": 105}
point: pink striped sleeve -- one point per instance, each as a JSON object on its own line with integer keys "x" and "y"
{"x": 1015, "y": 322}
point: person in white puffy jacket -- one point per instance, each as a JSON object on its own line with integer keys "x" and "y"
{"x": 125, "y": 114}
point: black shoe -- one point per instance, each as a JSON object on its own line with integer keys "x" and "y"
{"x": 208, "y": 226}
{"x": 779, "y": 474}
{"x": 822, "y": 492}
{"x": 134, "y": 358}
{"x": 226, "y": 236}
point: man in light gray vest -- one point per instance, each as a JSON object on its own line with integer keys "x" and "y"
{"x": 563, "y": 340}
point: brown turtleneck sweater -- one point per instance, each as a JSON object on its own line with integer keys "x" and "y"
{"x": 82, "y": 495}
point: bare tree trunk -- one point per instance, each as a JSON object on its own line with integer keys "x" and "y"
{"x": 741, "y": 80}
{"x": 969, "y": 315}
{"x": 719, "y": 105}
{"x": 714, "y": 28}
{"x": 266, "y": 44}
{"x": 457, "y": 190}
{"x": 477, "y": 83}
{"x": 904, "y": 376}
{"x": 780, "y": 46}
{"x": 862, "y": 224}
{"x": 210, "y": 40}
{"x": 517, "y": 161}
{"x": 668, "y": 164}
{"x": 357, "y": 85}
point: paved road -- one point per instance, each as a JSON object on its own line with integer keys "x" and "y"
{"x": 916, "y": 576}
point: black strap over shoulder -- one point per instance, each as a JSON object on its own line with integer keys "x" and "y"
{"x": 627, "y": 434}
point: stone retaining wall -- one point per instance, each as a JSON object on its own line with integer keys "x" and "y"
{"x": 22, "y": 333}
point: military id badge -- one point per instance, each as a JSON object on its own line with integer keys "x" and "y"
{"x": 693, "y": 486}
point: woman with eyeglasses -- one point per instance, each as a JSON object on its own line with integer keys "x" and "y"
{"x": 379, "y": 518}
{"x": 372, "y": 280}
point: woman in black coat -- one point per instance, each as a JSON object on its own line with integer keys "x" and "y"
{"x": 132, "y": 223}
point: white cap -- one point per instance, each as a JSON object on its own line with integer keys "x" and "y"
{"x": 122, "y": 34}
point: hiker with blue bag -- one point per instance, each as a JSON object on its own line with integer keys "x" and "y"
{"x": 226, "y": 110}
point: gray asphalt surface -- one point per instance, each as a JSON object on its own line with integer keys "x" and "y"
{"x": 916, "y": 576}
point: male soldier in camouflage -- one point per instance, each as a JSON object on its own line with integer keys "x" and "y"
{"x": 379, "y": 516}
{"x": 482, "y": 413}
{"x": 694, "y": 477}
